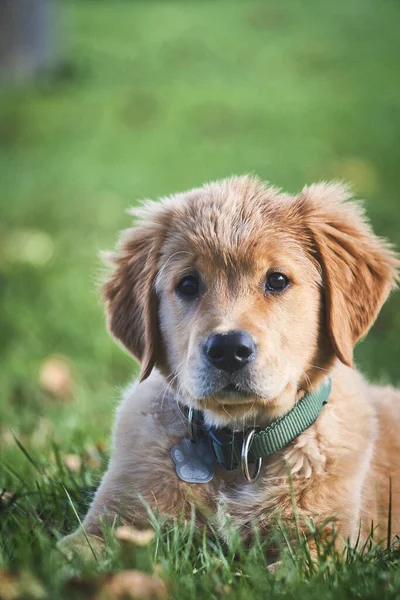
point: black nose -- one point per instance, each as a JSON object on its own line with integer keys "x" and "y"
{"x": 230, "y": 351}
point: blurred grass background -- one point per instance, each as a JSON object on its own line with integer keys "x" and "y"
{"x": 150, "y": 98}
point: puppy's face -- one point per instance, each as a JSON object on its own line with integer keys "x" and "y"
{"x": 239, "y": 320}
{"x": 242, "y": 295}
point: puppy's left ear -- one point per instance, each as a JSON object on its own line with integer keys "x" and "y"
{"x": 359, "y": 269}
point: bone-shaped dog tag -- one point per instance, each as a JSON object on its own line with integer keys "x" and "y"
{"x": 194, "y": 461}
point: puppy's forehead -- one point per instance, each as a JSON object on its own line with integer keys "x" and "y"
{"x": 232, "y": 227}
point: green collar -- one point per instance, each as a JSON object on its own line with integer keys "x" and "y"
{"x": 228, "y": 444}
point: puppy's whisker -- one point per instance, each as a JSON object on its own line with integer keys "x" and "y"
{"x": 180, "y": 391}
{"x": 317, "y": 367}
{"x": 174, "y": 376}
{"x": 164, "y": 392}
{"x": 249, "y": 412}
{"x": 308, "y": 380}
{"x": 224, "y": 409}
{"x": 168, "y": 387}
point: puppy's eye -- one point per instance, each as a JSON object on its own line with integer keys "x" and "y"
{"x": 276, "y": 282}
{"x": 189, "y": 286}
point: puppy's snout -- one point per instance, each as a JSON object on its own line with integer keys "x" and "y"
{"x": 230, "y": 351}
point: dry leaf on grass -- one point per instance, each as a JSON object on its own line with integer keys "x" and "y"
{"x": 134, "y": 585}
{"x": 137, "y": 537}
{"x": 55, "y": 377}
{"x": 19, "y": 586}
{"x": 5, "y": 498}
{"x": 73, "y": 462}
{"x": 8, "y": 586}
{"x": 6, "y": 437}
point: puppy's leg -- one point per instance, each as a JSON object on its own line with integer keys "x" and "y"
{"x": 141, "y": 474}
{"x": 117, "y": 501}
{"x": 117, "y": 496}
{"x": 130, "y": 496}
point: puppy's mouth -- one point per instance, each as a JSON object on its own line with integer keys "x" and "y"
{"x": 236, "y": 389}
{"x": 234, "y": 392}
{"x": 221, "y": 389}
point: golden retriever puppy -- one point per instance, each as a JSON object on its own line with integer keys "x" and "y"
{"x": 244, "y": 304}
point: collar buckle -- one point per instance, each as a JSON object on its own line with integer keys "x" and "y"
{"x": 225, "y": 445}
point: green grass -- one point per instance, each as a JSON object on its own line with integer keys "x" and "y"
{"x": 152, "y": 98}
{"x": 195, "y": 563}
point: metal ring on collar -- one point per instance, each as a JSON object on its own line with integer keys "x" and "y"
{"x": 245, "y": 465}
{"x": 190, "y": 424}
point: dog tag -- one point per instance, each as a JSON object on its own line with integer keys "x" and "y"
{"x": 194, "y": 461}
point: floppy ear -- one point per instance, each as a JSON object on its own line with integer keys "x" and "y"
{"x": 359, "y": 269}
{"x": 131, "y": 301}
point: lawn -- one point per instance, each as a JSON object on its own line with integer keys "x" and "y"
{"x": 148, "y": 98}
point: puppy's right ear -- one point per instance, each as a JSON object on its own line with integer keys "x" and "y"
{"x": 131, "y": 301}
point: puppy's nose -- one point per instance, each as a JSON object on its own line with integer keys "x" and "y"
{"x": 230, "y": 351}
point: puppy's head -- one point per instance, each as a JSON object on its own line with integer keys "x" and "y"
{"x": 241, "y": 295}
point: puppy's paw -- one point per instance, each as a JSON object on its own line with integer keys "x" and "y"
{"x": 87, "y": 548}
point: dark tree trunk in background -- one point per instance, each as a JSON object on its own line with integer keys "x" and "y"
{"x": 25, "y": 44}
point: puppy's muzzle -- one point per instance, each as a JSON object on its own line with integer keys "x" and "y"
{"x": 230, "y": 351}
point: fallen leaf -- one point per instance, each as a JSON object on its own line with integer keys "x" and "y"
{"x": 55, "y": 377}
{"x": 18, "y": 586}
{"x": 6, "y": 437}
{"x": 73, "y": 462}
{"x": 8, "y": 586}
{"x": 137, "y": 537}
{"x": 5, "y": 498}
{"x": 133, "y": 585}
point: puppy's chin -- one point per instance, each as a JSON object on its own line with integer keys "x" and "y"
{"x": 237, "y": 407}
{"x": 233, "y": 394}
{"x": 232, "y": 407}
{"x": 234, "y": 414}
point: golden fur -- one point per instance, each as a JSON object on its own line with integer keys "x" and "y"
{"x": 233, "y": 232}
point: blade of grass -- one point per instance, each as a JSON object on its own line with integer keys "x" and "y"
{"x": 25, "y": 452}
{"x": 283, "y": 531}
{"x": 14, "y": 473}
{"x": 191, "y": 529}
{"x": 80, "y": 522}
{"x": 389, "y": 525}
